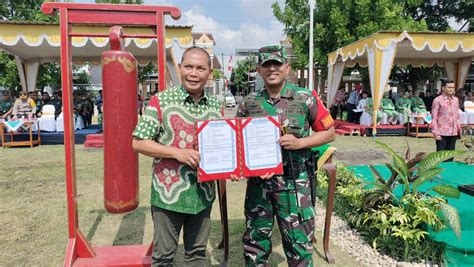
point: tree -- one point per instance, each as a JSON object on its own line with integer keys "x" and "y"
{"x": 83, "y": 81}
{"x": 49, "y": 74}
{"x": 8, "y": 72}
{"x": 217, "y": 74}
{"x": 25, "y": 10}
{"x": 437, "y": 14}
{"x": 339, "y": 23}
{"x": 241, "y": 74}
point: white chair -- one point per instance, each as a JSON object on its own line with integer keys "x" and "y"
{"x": 384, "y": 119}
{"x": 78, "y": 123}
{"x": 47, "y": 122}
{"x": 365, "y": 119}
{"x": 60, "y": 123}
{"x": 468, "y": 115}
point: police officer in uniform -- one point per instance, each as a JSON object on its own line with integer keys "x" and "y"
{"x": 270, "y": 196}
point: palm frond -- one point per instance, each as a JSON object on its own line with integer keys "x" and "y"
{"x": 452, "y": 216}
{"x": 447, "y": 191}
{"x": 398, "y": 162}
{"x": 425, "y": 176}
{"x": 433, "y": 159}
{"x": 377, "y": 174}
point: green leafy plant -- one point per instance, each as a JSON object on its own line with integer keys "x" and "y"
{"x": 394, "y": 214}
{"x": 411, "y": 174}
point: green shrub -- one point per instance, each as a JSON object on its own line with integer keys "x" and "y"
{"x": 397, "y": 226}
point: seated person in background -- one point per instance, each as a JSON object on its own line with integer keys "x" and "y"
{"x": 363, "y": 101}
{"x": 461, "y": 97}
{"x": 45, "y": 99}
{"x": 24, "y": 107}
{"x": 428, "y": 100}
{"x": 38, "y": 102}
{"x": 6, "y": 105}
{"x": 369, "y": 108}
{"x": 336, "y": 105}
{"x": 469, "y": 96}
{"x": 417, "y": 104}
{"x": 404, "y": 106}
{"x": 389, "y": 109}
{"x": 57, "y": 103}
{"x": 361, "y": 106}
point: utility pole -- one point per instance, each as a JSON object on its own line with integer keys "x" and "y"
{"x": 312, "y": 3}
{"x": 223, "y": 73}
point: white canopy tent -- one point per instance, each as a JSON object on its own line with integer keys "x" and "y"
{"x": 380, "y": 51}
{"x": 36, "y": 43}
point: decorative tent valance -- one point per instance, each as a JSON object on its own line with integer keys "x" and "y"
{"x": 380, "y": 51}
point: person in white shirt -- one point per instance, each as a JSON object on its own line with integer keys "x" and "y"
{"x": 361, "y": 106}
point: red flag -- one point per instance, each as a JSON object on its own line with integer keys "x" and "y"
{"x": 230, "y": 64}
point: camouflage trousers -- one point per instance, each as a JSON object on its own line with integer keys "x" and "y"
{"x": 295, "y": 221}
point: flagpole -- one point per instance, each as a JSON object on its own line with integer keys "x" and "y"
{"x": 310, "y": 64}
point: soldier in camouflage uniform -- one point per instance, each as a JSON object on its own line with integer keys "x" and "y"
{"x": 57, "y": 103}
{"x": 6, "y": 105}
{"x": 286, "y": 197}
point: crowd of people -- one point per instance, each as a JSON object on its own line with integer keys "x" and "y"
{"x": 397, "y": 107}
{"x": 27, "y": 105}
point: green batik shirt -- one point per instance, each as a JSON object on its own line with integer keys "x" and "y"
{"x": 169, "y": 119}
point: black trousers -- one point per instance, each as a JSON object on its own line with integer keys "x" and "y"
{"x": 334, "y": 111}
{"x": 446, "y": 143}
{"x": 350, "y": 112}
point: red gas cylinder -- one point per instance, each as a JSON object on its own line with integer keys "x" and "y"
{"x": 119, "y": 82}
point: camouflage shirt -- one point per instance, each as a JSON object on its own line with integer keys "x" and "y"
{"x": 170, "y": 119}
{"x": 5, "y": 106}
{"x": 300, "y": 110}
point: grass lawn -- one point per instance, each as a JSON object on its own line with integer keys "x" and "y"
{"x": 34, "y": 216}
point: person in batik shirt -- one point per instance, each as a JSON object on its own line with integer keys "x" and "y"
{"x": 166, "y": 132}
{"x": 445, "y": 124}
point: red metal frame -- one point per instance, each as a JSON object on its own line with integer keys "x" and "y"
{"x": 79, "y": 251}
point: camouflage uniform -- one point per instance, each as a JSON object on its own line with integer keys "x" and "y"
{"x": 298, "y": 111}
{"x": 58, "y": 105}
{"x": 5, "y": 104}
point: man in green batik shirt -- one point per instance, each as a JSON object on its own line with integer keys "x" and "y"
{"x": 389, "y": 109}
{"x": 6, "y": 105}
{"x": 369, "y": 108}
{"x": 272, "y": 195}
{"x": 166, "y": 132}
{"x": 404, "y": 106}
{"x": 417, "y": 104}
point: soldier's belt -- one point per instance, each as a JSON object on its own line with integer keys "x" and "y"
{"x": 297, "y": 169}
{"x": 305, "y": 153}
